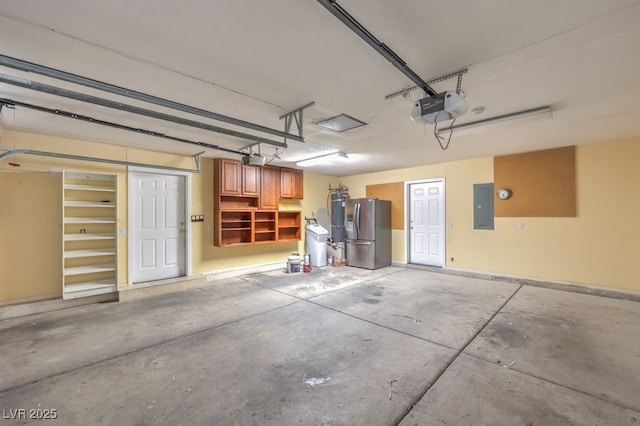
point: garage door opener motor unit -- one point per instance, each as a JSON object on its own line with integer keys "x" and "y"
{"x": 441, "y": 107}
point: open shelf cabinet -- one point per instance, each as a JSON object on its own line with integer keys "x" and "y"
{"x": 89, "y": 221}
{"x": 289, "y": 222}
{"x": 238, "y": 227}
{"x": 264, "y": 226}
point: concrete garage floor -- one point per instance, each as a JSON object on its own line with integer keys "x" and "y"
{"x": 338, "y": 346}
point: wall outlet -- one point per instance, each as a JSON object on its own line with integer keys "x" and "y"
{"x": 122, "y": 231}
{"x": 521, "y": 226}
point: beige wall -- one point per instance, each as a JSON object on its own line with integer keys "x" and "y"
{"x": 30, "y": 235}
{"x": 31, "y": 214}
{"x": 599, "y": 247}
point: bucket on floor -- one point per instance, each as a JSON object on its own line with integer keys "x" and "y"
{"x": 293, "y": 263}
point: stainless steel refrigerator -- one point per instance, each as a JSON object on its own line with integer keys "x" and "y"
{"x": 368, "y": 232}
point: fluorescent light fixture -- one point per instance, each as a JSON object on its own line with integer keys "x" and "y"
{"x": 324, "y": 160}
{"x": 496, "y": 122}
{"x": 340, "y": 123}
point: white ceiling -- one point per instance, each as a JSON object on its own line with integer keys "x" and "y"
{"x": 257, "y": 60}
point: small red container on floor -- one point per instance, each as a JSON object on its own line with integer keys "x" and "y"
{"x": 307, "y": 263}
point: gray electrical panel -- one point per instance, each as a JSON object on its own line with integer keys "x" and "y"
{"x": 483, "y": 206}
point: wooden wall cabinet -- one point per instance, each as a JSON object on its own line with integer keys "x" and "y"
{"x": 229, "y": 177}
{"x": 236, "y": 179}
{"x": 289, "y": 222}
{"x": 291, "y": 183}
{"x": 245, "y": 226}
{"x": 251, "y": 181}
{"x": 233, "y": 227}
{"x": 246, "y": 202}
{"x": 270, "y": 188}
{"x": 264, "y": 226}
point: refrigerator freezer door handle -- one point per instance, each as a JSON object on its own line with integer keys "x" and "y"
{"x": 362, "y": 243}
{"x": 357, "y": 220}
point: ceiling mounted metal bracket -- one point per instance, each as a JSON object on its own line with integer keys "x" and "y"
{"x": 459, "y": 84}
{"x": 249, "y": 149}
{"x": 457, "y": 74}
{"x": 337, "y": 11}
{"x": 297, "y": 115}
{"x": 19, "y": 64}
{"x": 196, "y": 158}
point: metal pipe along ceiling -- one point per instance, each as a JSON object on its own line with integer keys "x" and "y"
{"x": 69, "y": 94}
{"x": 12, "y": 104}
{"x": 13, "y": 152}
{"x": 336, "y": 10}
{"x": 19, "y": 64}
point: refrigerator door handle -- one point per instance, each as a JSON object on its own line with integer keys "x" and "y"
{"x": 361, "y": 243}
{"x": 357, "y": 220}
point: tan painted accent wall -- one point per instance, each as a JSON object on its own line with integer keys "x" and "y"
{"x": 542, "y": 183}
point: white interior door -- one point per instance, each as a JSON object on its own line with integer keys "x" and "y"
{"x": 426, "y": 223}
{"x": 157, "y": 227}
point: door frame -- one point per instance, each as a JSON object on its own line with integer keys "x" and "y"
{"x": 407, "y": 217}
{"x": 131, "y": 170}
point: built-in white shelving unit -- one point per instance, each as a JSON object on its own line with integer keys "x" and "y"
{"x": 89, "y": 229}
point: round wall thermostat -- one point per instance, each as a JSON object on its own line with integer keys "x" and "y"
{"x": 504, "y": 193}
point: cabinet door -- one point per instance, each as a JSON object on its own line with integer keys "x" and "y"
{"x": 250, "y": 181}
{"x": 291, "y": 183}
{"x": 269, "y": 190}
{"x": 229, "y": 176}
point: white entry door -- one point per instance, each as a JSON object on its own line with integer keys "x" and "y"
{"x": 157, "y": 227}
{"x": 426, "y": 223}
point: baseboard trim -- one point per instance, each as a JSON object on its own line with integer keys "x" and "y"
{"x": 244, "y": 270}
{"x": 157, "y": 288}
{"x": 36, "y": 307}
{"x": 612, "y": 293}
